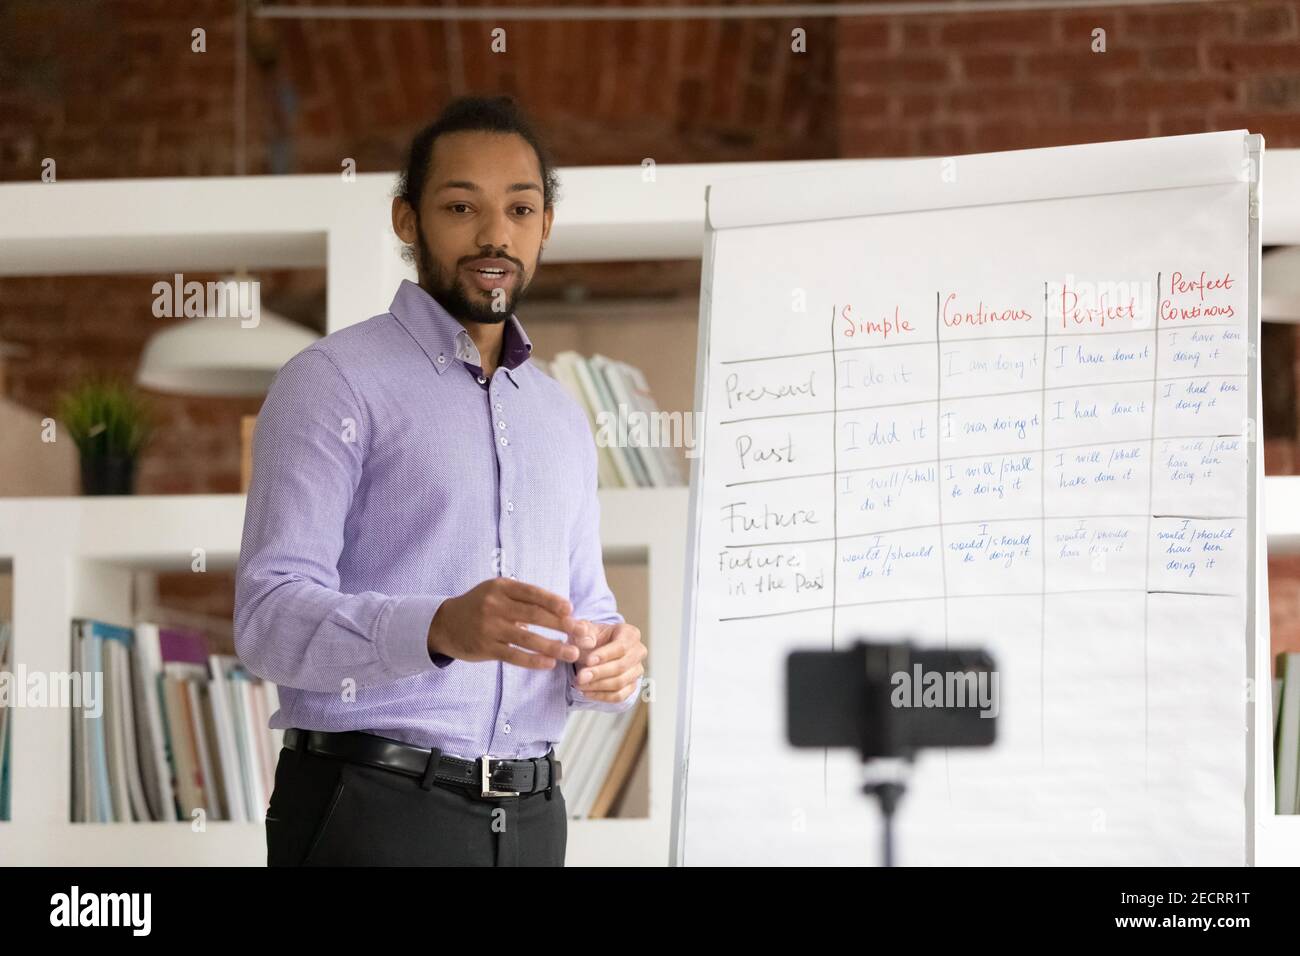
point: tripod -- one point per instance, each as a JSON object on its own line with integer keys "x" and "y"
{"x": 888, "y": 787}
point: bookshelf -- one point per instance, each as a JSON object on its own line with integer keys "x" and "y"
{"x": 74, "y": 557}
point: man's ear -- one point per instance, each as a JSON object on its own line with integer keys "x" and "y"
{"x": 547, "y": 218}
{"x": 405, "y": 222}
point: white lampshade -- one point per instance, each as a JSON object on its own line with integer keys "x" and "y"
{"x": 1280, "y": 285}
{"x": 219, "y": 355}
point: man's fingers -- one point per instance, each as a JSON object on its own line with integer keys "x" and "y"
{"x": 539, "y": 643}
{"x": 519, "y": 612}
{"x": 540, "y": 662}
{"x": 607, "y": 659}
{"x": 614, "y": 660}
{"x": 613, "y": 697}
{"x": 613, "y": 681}
{"x": 526, "y": 593}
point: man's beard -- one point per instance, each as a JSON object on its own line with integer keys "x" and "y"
{"x": 467, "y": 305}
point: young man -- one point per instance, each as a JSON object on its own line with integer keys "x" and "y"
{"x": 421, "y": 568}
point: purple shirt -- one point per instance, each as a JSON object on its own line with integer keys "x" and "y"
{"x": 388, "y": 475}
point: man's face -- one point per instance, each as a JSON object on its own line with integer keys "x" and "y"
{"x": 481, "y": 223}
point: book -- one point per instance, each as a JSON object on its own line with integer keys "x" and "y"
{"x": 241, "y": 681}
{"x": 194, "y": 711}
{"x": 624, "y": 763}
{"x": 183, "y": 759}
{"x": 601, "y": 749}
{"x": 669, "y": 464}
{"x": 171, "y": 730}
{"x": 155, "y": 769}
{"x": 1286, "y": 760}
{"x": 101, "y": 803}
{"x": 6, "y": 631}
{"x": 608, "y": 437}
{"x": 82, "y": 810}
{"x": 618, "y": 406}
{"x": 641, "y": 435}
{"x": 572, "y": 372}
{"x": 219, "y": 698}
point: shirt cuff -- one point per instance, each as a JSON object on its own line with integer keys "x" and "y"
{"x": 404, "y": 641}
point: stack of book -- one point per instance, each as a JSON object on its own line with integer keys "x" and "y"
{"x": 1286, "y": 732}
{"x": 170, "y": 731}
{"x": 598, "y": 755}
{"x": 6, "y": 639}
{"x": 636, "y": 444}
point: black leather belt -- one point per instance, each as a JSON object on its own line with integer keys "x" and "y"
{"x": 485, "y": 776}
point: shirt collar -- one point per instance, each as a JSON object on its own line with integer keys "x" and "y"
{"x": 443, "y": 338}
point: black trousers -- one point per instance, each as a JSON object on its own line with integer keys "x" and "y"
{"x": 330, "y": 812}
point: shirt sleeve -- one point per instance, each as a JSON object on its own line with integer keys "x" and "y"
{"x": 588, "y": 590}
{"x": 292, "y": 624}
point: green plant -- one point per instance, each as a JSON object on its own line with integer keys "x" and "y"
{"x": 106, "y": 418}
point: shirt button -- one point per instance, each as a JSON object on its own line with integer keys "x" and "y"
{"x": 441, "y": 359}
{"x": 497, "y": 406}
{"x": 510, "y": 506}
{"x": 504, "y": 440}
{"x": 481, "y": 380}
{"x": 501, "y": 424}
{"x": 506, "y": 728}
{"x": 515, "y": 576}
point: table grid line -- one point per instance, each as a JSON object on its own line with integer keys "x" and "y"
{"x": 962, "y": 398}
{"x": 935, "y": 524}
{"x": 992, "y": 454}
{"x": 982, "y": 595}
{"x": 943, "y": 548}
{"x": 1042, "y": 508}
{"x": 1146, "y": 601}
{"x": 972, "y": 338}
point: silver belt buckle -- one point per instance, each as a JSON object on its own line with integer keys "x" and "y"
{"x": 486, "y": 782}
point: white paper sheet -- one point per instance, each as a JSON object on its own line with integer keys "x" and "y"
{"x": 966, "y": 427}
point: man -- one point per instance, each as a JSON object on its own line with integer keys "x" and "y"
{"x": 421, "y": 570}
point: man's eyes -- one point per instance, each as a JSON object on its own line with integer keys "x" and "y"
{"x": 454, "y": 207}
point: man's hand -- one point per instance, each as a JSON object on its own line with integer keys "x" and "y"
{"x": 485, "y": 624}
{"x": 609, "y": 671}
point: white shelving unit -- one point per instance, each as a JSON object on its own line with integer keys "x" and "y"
{"x": 74, "y": 557}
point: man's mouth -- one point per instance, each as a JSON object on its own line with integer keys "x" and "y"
{"x": 490, "y": 275}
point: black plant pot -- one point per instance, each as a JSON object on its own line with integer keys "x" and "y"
{"x": 107, "y": 475}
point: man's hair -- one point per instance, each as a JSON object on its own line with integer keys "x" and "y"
{"x": 488, "y": 114}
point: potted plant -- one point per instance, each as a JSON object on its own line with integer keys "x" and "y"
{"x": 110, "y": 422}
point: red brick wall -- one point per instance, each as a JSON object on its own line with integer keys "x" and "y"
{"x": 110, "y": 88}
{"x": 924, "y": 85}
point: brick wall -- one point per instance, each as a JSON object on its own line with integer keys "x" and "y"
{"x": 111, "y": 88}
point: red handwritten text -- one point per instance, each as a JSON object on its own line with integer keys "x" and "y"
{"x": 952, "y": 315}
{"x": 1098, "y": 313}
{"x": 1194, "y": 305}
{"x": 887, "y": 326}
